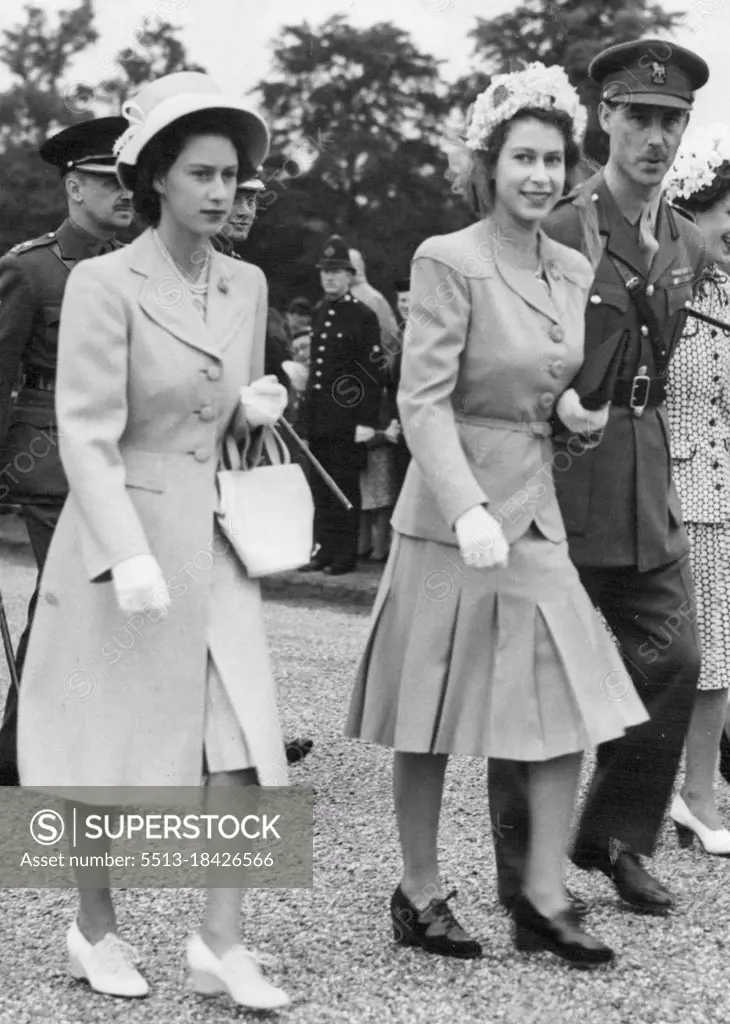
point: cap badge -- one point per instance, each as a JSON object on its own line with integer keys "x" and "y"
{"x": 329, "y": 251}
{"x": 658, "y": 73}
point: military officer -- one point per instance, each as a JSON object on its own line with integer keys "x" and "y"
{"x": 32, "y": 280}
{"x": 341, "y": 405}
{"x": 620, "y": 507}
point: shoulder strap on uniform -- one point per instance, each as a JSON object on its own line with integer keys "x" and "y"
{"x": 34, "y": 243}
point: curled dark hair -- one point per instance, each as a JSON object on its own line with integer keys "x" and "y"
{"x": 710, "y": 195}
{"x": 162, "y": 151}
{"x": 480, "y": 186}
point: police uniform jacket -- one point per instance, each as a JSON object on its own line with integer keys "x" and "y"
{"x": 33, "y": 278}
{"x": 346, "y": 373}
{"x": 487, "y": 351}
{"x": 618, "y": 500}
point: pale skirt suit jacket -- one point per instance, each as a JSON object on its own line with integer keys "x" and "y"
{"x": 146, "y": 391}
{"x": 501, "y": 663}
{"x": 485, "y": 343}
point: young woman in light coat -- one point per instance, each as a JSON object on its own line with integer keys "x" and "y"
{"x": 148, "y": 659}
{"x": 483, "y": 641}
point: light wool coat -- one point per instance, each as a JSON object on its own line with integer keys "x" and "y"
{"x": 146, "y": 391}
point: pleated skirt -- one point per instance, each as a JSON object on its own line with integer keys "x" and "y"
{"x": 710, "y": 562}
{"x": 511, "y": 663}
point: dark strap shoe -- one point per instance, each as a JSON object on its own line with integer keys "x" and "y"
{"x": 633, "y": 882}
{"x": 578, "y": 907}
{"x": 297, "y": 750}
{"x": 561, "y": 935}
{"x": 434, "y": 929}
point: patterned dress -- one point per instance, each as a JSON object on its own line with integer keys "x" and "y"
{"x": 698, "y": 403}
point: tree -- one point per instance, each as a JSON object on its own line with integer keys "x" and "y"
{"x": 157, "y": 51}
{"x": 360, "y": 114}
{"x": 569, "y": 33}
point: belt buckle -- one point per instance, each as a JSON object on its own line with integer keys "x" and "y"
{"x": 640, "y": 387}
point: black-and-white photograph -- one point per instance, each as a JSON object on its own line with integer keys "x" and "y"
{"x": 364, "y": 511}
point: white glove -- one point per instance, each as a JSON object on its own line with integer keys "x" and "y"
{"x": 363, "y": 434}
{"x": 393, "y": 431}
{"x": 140, "y": 585}
{"x": 577, "y": 419}
{"x": 297, "y": 374}
{"x": 264, "y": 401}
{"x": 481, "y": 539}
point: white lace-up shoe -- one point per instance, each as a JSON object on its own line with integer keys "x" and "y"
{"x": 238, "y": 973}
{"x": 108, "y": 966}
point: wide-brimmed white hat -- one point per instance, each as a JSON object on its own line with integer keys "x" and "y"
{"x": 158, "y": 104}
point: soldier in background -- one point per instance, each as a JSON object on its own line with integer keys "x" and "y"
{"x": 33, "y": 277}
{"x": 341, "y": 406}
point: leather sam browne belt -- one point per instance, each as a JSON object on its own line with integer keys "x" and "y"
{"x": 640, "y": 392}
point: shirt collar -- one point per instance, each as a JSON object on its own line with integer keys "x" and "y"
{"x": 78, "y": 244}
{"x": 618, "y": 191}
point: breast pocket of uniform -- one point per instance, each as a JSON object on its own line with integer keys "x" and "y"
{"x": 607, "y": 306}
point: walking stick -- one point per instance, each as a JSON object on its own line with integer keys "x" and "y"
{"x": 316, "y": 464}
{"x": 8, "y": 645}
{"x": 707, "y": 319}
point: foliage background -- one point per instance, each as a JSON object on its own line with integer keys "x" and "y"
{"x": 358, "y": 117}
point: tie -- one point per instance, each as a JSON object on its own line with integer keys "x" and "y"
{"x": 647, "y": 241}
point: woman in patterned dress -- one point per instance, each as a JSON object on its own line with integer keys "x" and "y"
{"x": 698, "y": 402}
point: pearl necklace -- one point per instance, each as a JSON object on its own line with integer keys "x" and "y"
{"x": 197, "y": 288}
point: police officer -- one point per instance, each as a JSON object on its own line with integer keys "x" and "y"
{"x": 620, "y": 507}
{"x": 32, "y": 280}
{"x": 341, "y": 405}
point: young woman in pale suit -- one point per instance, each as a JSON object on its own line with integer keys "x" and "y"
{"x": 483, "y": 641}
{"x": 161, "y": 356}
{"x": 698, "y": 405}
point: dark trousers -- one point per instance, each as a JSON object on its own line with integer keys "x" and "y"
{"x": 40, "y": 521}
{"x": 336, "y": 529}
{"x": 652, "y": 615}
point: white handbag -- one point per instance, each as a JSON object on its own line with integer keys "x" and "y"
{"x": 266, "y": 512}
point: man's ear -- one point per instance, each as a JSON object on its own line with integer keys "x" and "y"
{"x": 604, "y": 116}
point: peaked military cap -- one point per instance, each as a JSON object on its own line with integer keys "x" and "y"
{"x": 87, "y": 146}
{"x": 650, "y": 72}
{"x": 335, "y": 255}
{"x": 251, "y": 184}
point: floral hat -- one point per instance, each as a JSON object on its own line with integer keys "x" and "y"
{"x": 697, "y": 162}
{"x": 535, "y": 86}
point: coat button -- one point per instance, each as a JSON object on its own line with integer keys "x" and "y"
{"x": 206, "y": 413}
{"x": 320, "y": 360}
{"x": 328, "y": 323}
{"x": 214, "y": 373}
{"x": 595, "y": 299}
{"x": 650, "y": 290}
{"x": 713, "y": 422}
{"x": 556, "y": 332}
{"x": 323, "y": 334}
{"x": 557, "y": 368}
{"x": 201, "y": 455}
{"x": 339, "y": 334}
{"x": 317, "y": 387}
{"x": 546, "y": 399}
{"x": 644, "y": 330}
{"x": 331, "y": 313}
{"x": 318, "y": 373}
{"x": 718, "y": 487}
{"x": 715, "y": 465}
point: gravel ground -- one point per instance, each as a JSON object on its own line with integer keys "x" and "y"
{"x": 333, "y": 946}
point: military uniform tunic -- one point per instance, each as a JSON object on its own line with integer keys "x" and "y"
{"x": 33, "y": 278}
{"x": 345, "y": 383}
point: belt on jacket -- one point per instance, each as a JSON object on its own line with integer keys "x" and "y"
{"x": 538, "y": 428}
{"x": 40, "y": 380}
{"x": 639, "y": 393}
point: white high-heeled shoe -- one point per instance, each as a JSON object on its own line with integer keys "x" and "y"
{"x": 108, "y": 966}
{"x": 715, "y": 841}
{"x": 237, "y": 972}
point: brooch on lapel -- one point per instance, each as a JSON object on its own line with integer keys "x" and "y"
{"x": 223, "y": 286}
